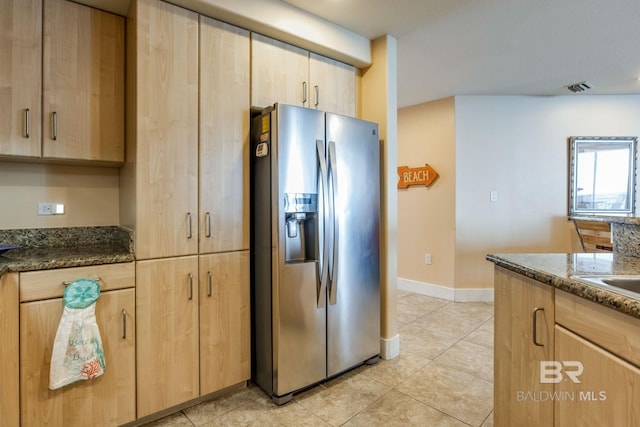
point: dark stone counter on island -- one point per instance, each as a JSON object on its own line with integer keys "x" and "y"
{"x": 47, "y": 248}
{"x": 558, "y": 270}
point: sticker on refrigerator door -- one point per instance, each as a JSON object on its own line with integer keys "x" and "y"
{"x": 262, "y": 149}
{"x": 265, "y": 123}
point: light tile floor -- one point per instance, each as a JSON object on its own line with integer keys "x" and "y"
{"x": 443, "y": 377}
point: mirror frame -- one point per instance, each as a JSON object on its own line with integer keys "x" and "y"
{"x": 574, "y": 143}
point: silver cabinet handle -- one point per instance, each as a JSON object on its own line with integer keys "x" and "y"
{"x": 207, "y": 224}
{"x": 209, "y": 284}
{"x": 304, "y": 93}
{"x": 124, "y": 324}
{"x": 535, "y": 326}
{"x": 54, "y": 126}
{"x": 317, "y": 96}
{"x": 190, "y": 286}
{"x": 189, "y": 229}
{"x": 27, "y": 124}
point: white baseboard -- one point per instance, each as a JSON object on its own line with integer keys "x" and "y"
{"x": 443, "y": 292}
{"x": 390, "y": 348}
{"x": 428, "y": 289}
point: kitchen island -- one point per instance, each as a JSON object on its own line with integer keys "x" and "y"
{"x": 566, "y": 352}
{"x": 560, "y": 270}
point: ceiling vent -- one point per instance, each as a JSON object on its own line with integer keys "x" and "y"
{"x": 579, "y": 87}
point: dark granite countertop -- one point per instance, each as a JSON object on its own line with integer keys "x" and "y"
{"x": 43, "y": 249}
{"x": 60, "y": 257}
{"x": 558, "y": 270}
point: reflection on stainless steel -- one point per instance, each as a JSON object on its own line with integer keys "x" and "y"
{"x": 315, "y": 251}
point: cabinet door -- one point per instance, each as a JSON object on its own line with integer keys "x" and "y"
{"x": 333, "y": 85}
{"x": 166, "y": 130}
{"x": 224, "y": 137}
{"x": 109, "y": 400}
{"x": 83, "y": 83}
{"x": 522, "y": 307}
{"x": 608, "y": 392}
{"x": 20, "y": 77}
{"x": 167, "y": 319}
{"x": 279, "y": 73}
{"x": 9, "y": 381}
{"x": 225, "y": 352}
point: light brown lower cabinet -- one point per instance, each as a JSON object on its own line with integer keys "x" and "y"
{"x": 524, "y": 321}
{"x": 195, "y": 315}
{"x": 225, "y": 329}
{"x": 591, "y": 374}
{"x": 607, "y": 344}
{"x": 108, "y": 400}
{"x": 9, "y": 379}
{"x": 167, "y": 321}
{"x": 608, "y": 391}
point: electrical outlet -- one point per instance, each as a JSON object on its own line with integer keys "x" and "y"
{"x": 45, "y": 208}
{"x": 427, "y": 259}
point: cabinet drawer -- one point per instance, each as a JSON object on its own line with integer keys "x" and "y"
{"x": 610, "y": 329}
{"x": 46, "y": 284}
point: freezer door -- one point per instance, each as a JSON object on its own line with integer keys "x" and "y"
{"x": 299, "y": 316}
{"x": 353, "y": 320}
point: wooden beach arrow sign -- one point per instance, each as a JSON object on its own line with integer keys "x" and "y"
{"x": 424, "y": 175}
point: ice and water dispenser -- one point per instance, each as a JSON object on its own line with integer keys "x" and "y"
{"x": 301, "y": 216}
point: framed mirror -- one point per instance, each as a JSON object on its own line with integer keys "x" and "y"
{"x": 602, "y": 175}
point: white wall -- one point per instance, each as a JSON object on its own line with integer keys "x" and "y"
{"x": 517, "y": 146}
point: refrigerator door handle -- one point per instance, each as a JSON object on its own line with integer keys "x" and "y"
{"x": 333, "y": 172}
{"x": 323, "y": 266}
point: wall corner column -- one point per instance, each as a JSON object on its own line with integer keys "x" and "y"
{"x": 378, "y": 103}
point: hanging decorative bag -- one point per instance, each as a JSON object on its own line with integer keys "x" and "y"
{"x": 77, "y": 350}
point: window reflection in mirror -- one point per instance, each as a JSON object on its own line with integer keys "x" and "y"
{"x": 603, "y": 175}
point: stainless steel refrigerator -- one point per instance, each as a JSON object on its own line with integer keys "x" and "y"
{"x": 315, "y": 247}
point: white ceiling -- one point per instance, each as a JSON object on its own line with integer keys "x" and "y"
{"x": 492, "y": 47}
{"x": 499, "y": 47}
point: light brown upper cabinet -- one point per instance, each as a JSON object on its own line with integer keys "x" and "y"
{"x": 160, "y": 181}
{"x": 279, "y": 73}
{"x": 20, "y": 71}
{"x": 83, "y": 83}
{"x": 224, "y": 137}
{"x": 333, "y": 85}
{"x": 287, "y": 74}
